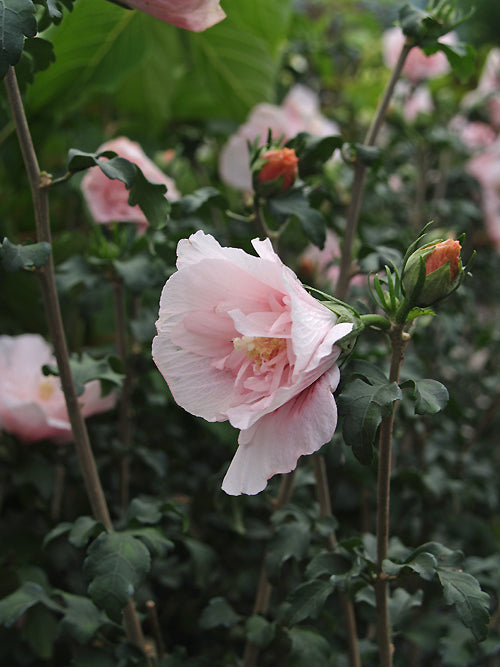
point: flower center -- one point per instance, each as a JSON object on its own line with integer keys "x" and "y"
{"x": 46, "y": 388}
{"x": 259, "y": 348}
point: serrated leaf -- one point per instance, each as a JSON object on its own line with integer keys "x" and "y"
{"x": 16, "y": 257}
{"x": 462, "y": 58}
{"x": 423, "y": 563}
{"x": 139, "y": 272}
{"x": 472, "y": 604}
{"x": 17, "y": 603}
{"x": 218, "y": 613}
{"x": 290, "y": 540}
{"x": 193, "y": 202}
{"x": 153, "y": 538}
{"x": 430, "y": 396}
{"x": 400, "y": 602}
{"x": 116, "y": 564}
{"x": 363, "y": 406}
{"x": 82, "y": 619}
{"x": 307, "y": 600}
{"x": 83, "y": 530}
{"x": 17, "y": 21}
{"x": 86, "y": 368}
{"x": 308, "y": 648}
{"x": 295, "y": 204}
{"x": 144, "y": 510}
{"x": 149, "y": 196}
{"x": 260, "y": 631}
{"x": 327, "y": 563}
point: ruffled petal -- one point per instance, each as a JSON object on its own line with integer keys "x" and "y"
{"x": 277, "y": 440}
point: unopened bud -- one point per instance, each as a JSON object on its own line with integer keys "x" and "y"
{"x": 437, "y": 268}
{"x": 275, "y": 171}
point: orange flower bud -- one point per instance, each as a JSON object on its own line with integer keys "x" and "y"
{"x": 279, "y": 163}
{"x": 444, "y": 252}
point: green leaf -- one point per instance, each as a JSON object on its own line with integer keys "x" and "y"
{"x": 260, "y": 631}
{"x": 17, "y": 603}
{"x": 295, "y": 204}
{"x": 400, "y": 603}
{"x": 130, "y": 56}
{"x": 308, "y": 648}
{"x": 423, "y": 563}
{"x": 307, "y": 600}
{"x": 430, "y": 396}
{"x": 328, "y": 563}
{"x": 86, "y": 368}
{"x": 193, "y": 202}
{"x": 462, "y": 58}
{"x": 143, "y": 510}
{"x": 139, "y": 272}
{"x": 290, "y": 540}
{"x": 17, "y": 20}
{"x": 472, "y": 604}
{"x": 153, "y": 538}
{"x": 84, "y": 529}
{"x": 147, "y": 195}
{"x": 17, "y": 257}
{"x": 82, "y": 619}
{"x": 363, "y": 406}
{"x": 116, "y": 564}
{"x": 218, "y": 613}
{"x": 313, "y": 151}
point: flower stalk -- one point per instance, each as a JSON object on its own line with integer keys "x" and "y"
{"x": 398, "y": 340}
{"x": 360, "y": 177}
{"x": 46, "y": 276}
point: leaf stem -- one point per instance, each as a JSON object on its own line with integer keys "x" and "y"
{"x": 46, "y": 275}
{"x": 360, "y": 176}
{"x": 398, "y": 343}
{"x": 264, "y": 588}
{"x": 325, "y": 505}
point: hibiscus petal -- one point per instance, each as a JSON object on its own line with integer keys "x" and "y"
{"x": 277, "y": 440}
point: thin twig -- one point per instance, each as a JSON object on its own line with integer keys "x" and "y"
{"x": 325, "y": 505}
{"x": 359, "y": 180}
{"x": 46, "y": 275}
{"x": 264, "y": 588}
{"x": 398, "y": 341}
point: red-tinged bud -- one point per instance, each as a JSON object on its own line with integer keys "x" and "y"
{"x": 443, "y": 272}
{"x": 276, "y": 171}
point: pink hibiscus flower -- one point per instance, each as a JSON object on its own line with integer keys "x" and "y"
{"x": 32, "y": 405}
{"x": 195, "y": 15}
{"x": 240, "y": 339}
{"x": 107, "y": 198}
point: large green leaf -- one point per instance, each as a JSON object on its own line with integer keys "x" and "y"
{"x": 156, "y": 71}
{"x": 17, "y": 20}
{"x": 16, "y": 257}
{"x": 116, "y": 564}
{"x": 17, "y": 603}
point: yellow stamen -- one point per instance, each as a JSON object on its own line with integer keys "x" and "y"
{"x": 46, "y": 388}
{"x": 259, "y": 348}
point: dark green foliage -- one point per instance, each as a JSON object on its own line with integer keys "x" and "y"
{"x": 17, "y": 20}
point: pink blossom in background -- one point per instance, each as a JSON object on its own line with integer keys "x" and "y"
{"x": 417, "y": 66}
{"x": 32, "y": 405}
{"x": 240, "y": 339}
{"x": 107, "y": 198}
{"x": 195, "y": 15}
{"x": 485, "y": 167}
{"x": 474, "y": 134}
{"x": 418, "y": 102}
{"x": 322, "y": 265}
{"x": 299, "y": 112}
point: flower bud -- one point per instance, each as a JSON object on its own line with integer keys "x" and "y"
{"x": 275, "y": 171}
{"x": 437, "y": 268}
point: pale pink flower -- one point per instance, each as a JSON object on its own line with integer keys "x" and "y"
{"x": 418, "y": 66}
{"x": 485, "y": 167}
{"x": 240, "y": 339}
{"x": 474, "y": 134}
{"x": 107, "y": 198}
{"x": 196, "y": 15}
{"x": 323, "y": 264}
{"x": 299, "y": 112}
{"x": 418, "y": 102}
{"x": 32, "y": 405}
